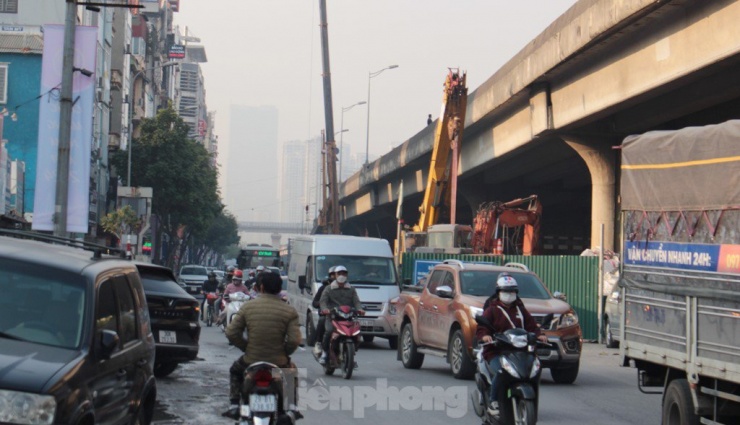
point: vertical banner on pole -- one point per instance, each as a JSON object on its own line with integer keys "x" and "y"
{"x": 81, "y": 134}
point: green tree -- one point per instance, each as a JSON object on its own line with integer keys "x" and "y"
{"x": 120, "y": 222}
{"x": 222, "y": 233}
{"x": 182, "y": 175}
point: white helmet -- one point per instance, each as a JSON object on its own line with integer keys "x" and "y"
{"x": 338, "y": 269}
{"x": 260, "y": 268}
{"x": 506, "y": 283}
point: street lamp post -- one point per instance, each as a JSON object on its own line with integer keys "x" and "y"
{"x": 131, "y": 115}
{"x": 367, "y": 136}
{"x": 341, "y": 139}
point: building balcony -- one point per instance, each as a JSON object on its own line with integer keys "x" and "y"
{"x": 114, "y": 141}
{"x": 116, "y": 79}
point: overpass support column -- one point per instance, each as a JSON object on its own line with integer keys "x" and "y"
{"x": 600, "y": 159}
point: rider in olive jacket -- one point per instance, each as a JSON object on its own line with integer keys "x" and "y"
{"x": 339, "y": 293}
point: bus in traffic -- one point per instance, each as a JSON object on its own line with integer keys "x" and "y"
{"x": 258, "y": 255}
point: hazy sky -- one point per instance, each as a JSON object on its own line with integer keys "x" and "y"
{"x": 269, "y": 53}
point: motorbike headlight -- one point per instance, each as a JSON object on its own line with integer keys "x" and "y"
{"x": 475, "y": 311}
{"x": 26, "y": 409}
{"x": 536, "y": 366}
{"x": 509, "y": 368}
{"x": 568, "y": 319}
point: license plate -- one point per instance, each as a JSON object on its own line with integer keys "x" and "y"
{"x": 366, "y": 322}
{"x": 262, "y": 403}
{"x": 168, "y": 337}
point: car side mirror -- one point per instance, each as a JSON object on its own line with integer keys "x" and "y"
{"x": 444, "y": 292}
{"x": 559, "y": 295}
{"x": 108, "y": 343}
{"x": 407, "y": 281}
{"x": 302, "y": 282}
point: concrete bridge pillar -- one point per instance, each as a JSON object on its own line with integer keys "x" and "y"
{"x": 601, "y": 161}
{"x": 276, "y": 239}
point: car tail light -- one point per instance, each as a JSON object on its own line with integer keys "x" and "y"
{"x": 262, "y": 378}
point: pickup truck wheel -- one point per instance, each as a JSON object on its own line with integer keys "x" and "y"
{"x": 565, "y": 375}
{"x": 410, "y": 358}
{"x": 460, "y": 363}
{"x": 678, "y": 408}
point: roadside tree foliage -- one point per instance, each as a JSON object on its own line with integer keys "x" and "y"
{"x": 182, "y": 175}
{"x": 120, "y": 222}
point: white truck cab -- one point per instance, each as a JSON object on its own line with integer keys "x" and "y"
{"x": 371, "y": 271}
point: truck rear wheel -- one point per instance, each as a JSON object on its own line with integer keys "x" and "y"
{"x": 678, "y": 408}
{"x": 410, "y": 358}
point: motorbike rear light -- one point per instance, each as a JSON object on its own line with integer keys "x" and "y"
{"x": 262, "y": 378}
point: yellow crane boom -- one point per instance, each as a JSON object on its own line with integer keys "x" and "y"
{"x": 440, "y": 193}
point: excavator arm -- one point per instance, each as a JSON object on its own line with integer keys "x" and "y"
{"x": 439, "y": 196}
{"x": 504, "y": 221}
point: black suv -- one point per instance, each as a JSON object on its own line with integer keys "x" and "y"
{"x": 174, "y": 318}
{"x": 75, "y": 341}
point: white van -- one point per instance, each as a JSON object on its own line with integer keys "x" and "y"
{"x": 369, "y": 262}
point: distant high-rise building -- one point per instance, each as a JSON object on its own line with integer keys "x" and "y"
{"x": 252, "y": 164}
{"x": 292, "y": 174}
{"x": 300, "y": 181}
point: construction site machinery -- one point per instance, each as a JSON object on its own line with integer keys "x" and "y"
{"x": 439, "y": 203}
{"x": 508, "y": 227}
{"x": 440, "y": 194}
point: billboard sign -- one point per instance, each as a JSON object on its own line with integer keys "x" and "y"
{"x": 177, "y": 51}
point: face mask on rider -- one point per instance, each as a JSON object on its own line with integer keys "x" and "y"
{"x": 341, "y": 278}
{"x": 507, "y": 297}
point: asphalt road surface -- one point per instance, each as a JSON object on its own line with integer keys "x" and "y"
{"x": 382, "y": 390}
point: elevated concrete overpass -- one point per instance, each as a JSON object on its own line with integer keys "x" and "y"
{"x": 547, "y": 121}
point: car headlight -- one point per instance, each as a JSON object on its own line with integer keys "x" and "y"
{"x": 26, "y": 408}
{"x": 536, "y": 366}
{"x": 392, "y": 309}
{"x": 509, "y": 368}
{"x": 475, "y": 311}
{"x": 568, "y": 319}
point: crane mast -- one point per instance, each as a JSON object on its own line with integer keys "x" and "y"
{"x": 439, "y": 197}
{"x": 329, "y": 217}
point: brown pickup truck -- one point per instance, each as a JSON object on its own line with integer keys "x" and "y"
{"x": 437, "y": 318}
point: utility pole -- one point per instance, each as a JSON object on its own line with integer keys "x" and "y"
{"x": 65, "y": 121}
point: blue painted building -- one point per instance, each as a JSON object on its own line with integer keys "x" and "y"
{"x": 20, "y": 62}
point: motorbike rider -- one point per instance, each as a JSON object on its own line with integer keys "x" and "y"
{"x": 337, "y": 294}
{"x": 253, "y": 276}
{"x": 236, "y": 284}
{"x": 320, "y": 326}
{"x": 273, "y": 335}
{"x": 504, "y": 310}
{"x": 209, "y": 285}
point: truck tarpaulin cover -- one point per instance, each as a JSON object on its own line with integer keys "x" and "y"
{"x": 692, "y": 169}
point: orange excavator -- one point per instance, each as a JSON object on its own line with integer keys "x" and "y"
{"x": 508, "y": 227}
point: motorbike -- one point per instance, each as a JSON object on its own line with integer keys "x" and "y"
{"x": 519, "y": 381}
{"x": 344, "y": 341}
{"x": 263, "y": 400}
{"x": 233, "y": 302}
{"x": 211, "y": 311}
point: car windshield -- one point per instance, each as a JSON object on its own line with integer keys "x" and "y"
{"x": 483, "y": 282}
{"x": 196, "y": 270}
{"x": 154, "y": 280}
{"x": 41, "y": 305}
{"x": 377, "y": 270}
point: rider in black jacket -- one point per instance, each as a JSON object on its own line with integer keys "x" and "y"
{"x": 321, "y": 326}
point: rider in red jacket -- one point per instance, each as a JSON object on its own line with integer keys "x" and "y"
{"x": 505, "y": 310}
